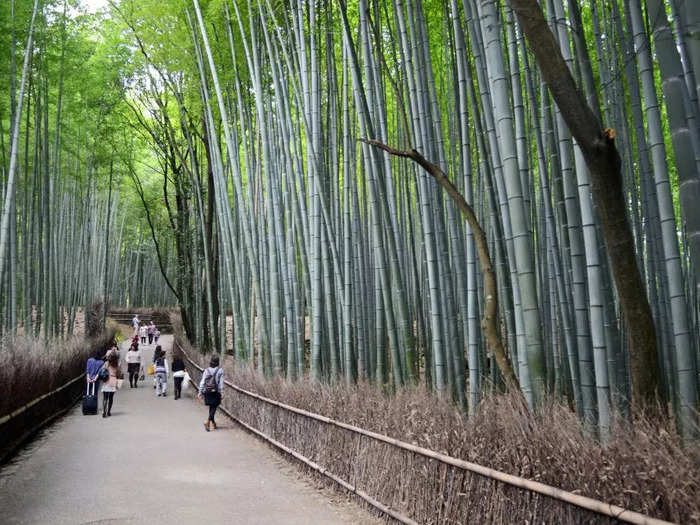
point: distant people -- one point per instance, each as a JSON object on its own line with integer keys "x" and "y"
{"x": 211, "y": 388}
{"x": 151, "y": 331}
{"x": 178, "y": 369}
{"x": 133, "y": 363}
{"x": 135, "y": 323}
{"x": 142, "y": 333}
{"x": 156, "y": 336}
{"x": 161, "y": 370}
{"x": 110, "y": 384}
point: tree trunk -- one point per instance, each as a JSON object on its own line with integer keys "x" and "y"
{"x": 603, "y": 161}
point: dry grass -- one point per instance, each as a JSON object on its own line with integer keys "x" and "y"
{"x": 30, "y": 368}
{"x": 642, "y": 467}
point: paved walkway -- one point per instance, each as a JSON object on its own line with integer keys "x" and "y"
{"x": 151, "y": 463}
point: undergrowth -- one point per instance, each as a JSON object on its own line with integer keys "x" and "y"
{"x": 31, "y": 367}
{"x": 642, "y": 467}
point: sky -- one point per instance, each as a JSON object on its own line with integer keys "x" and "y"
{"x": 94, "y": 5}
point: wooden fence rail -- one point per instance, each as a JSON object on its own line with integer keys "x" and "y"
{"x": 599, "y": 507}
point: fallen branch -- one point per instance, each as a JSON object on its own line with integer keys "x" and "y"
{"x": 489, "y": 323}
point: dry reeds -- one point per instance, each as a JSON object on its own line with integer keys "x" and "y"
{"x": 29, "y": 368}
{"x": 642, "y": 467}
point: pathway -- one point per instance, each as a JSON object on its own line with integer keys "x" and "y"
{"x": 151, "y": 463}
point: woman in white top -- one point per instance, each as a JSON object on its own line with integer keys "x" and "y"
{"x": 110, "y": 384}
{"x": 133, "y": 362}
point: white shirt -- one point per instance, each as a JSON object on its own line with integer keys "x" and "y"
{"x": 133, "y": 357}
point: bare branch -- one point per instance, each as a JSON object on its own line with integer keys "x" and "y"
{"x": 490, "y": 322}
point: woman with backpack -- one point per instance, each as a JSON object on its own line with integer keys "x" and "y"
{"x": 211, "y": 388}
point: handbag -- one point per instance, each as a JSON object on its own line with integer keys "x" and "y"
{"x": 120, "y": 382}
{"x": 151, "y": 370}
{"x": 103, "y": 374}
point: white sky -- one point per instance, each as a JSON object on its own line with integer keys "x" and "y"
{"x": 94, "y": 5}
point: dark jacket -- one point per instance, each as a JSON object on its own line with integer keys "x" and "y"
{"x": 177, "y": 364}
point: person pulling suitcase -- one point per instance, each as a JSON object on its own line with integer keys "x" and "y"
{"x": 92, "y": 377}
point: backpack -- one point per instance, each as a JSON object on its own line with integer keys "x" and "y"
{"x": 210, "y": 383}
{"x": 160, "y": 366}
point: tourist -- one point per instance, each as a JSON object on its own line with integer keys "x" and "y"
{"x": 211, "y": 389}
{"x": 161, "y": 370}
{"x": 156, "y": 336}
{"x": 133, "y": 363}
{"x": 114, "y": 348}
{"x": 142, "y": 333}
{"x": 92, "y": 370}
{"x": 135, "y": 323}
{"x": 110, "y": 384}
{"x": 151, "y": 331}
{"x": 178, "y": 375}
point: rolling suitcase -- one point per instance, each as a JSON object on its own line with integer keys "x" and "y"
{"x": 90, "y": 401}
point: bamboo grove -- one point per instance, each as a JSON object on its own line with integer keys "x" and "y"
{"x": 247, "y": 131}
{"x": 62, "y": 223}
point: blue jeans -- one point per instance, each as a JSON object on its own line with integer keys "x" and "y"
{"x": 161, "y": 383}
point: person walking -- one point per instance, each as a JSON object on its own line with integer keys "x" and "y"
{"x": 211, "y": 389}
{"x": 110, "y": 384}
{"x": 178, "y": 369}
{"x": 142, "y": 334}
{"x": 151, "y": 331}
{"x": 135, "y": 323}
{"x": 156, "y": 336}
{"x": 113, "y": 347}
{"x": 161, "y": 369}
{"x": 93, "y": 365}
{"x": 92, "y": 374}
{"x": 133, "y": 363}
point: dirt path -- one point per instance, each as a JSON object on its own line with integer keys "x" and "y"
{"x": 152, "y": 462}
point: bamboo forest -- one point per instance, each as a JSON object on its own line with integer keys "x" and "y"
{"x": 469, "y": 198}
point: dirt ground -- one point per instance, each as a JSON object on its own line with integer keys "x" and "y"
{"x": 78, "y": 323}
